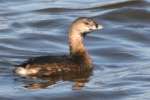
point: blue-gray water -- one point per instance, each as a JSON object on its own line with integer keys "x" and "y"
{"x": 120, "y": 52}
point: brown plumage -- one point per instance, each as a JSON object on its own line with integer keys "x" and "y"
{"x": 78, "y": 60}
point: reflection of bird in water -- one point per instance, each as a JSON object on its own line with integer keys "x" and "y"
{"x": 77, "y": 61}
{"x": 78, "y": 78}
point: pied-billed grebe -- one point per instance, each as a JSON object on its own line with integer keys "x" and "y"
{"x": 56, "y": 65}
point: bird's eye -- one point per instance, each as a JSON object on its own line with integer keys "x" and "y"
{"x": 86, "y": 23}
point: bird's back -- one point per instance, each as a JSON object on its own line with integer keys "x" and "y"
{"x": 52, "y": 65}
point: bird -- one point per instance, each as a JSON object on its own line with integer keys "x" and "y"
{"x": 76, "y": 60}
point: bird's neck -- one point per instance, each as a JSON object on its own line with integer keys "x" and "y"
{"x": 77, "y": 48}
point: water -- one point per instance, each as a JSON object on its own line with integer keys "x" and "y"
{"x": 120, "y": 52}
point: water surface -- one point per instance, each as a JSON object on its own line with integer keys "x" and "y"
{"x": 120, "y": 52}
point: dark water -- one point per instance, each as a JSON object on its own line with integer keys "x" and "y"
{"x": 120, "y": 52}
